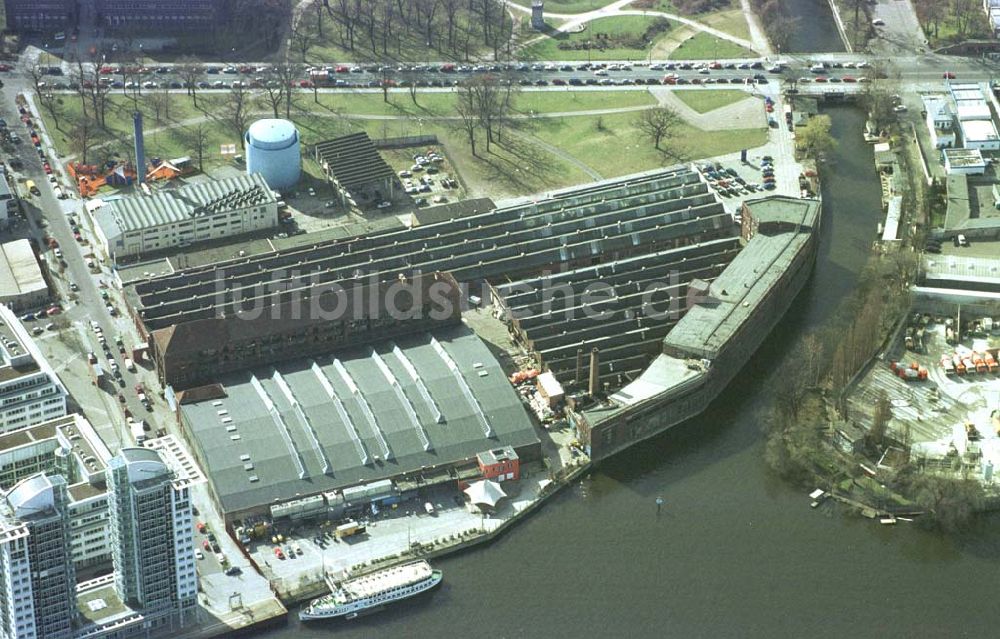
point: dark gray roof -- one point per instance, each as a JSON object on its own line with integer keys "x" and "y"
{"x": 237, "y": 438}
{"x": 353, "y": 160}
{"x": 735, "y": 295}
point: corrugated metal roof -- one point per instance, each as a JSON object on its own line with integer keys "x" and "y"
{"x": 191, "y": 200}
{"x": 341, "y": 428}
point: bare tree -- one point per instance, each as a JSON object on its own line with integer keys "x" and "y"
{"x": 159, "y": 102}
{"x": 880, "y": 421}
{"x": 82, "y": 137}
{"x": 198, "y": 141}
{"x": 660, "y": 125}
{"x": 274, "y": 92}
{"x": 285, "y": 74}
{"x": 879, "y": 94}
{"x": 190, "y": 73}
{"x": 964, "y": 13}
{"x": 302, "y": 41}
{"x": 237, "y": 109}
{"x": 465, "y": 107}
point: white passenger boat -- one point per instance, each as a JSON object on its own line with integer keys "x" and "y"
{"x": 352, "y": 596}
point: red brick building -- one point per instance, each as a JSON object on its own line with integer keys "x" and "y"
{"x": 499, "y": 464}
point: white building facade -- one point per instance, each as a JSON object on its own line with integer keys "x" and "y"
{"x": 940, "y": 120}
{"x": 152, "y": 538}
{"x": 37, "y": 578}
{"x": 30, "y": 391}
{"x": 190, "y": 214}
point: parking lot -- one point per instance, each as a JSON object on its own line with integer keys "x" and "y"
{"x": 389, "y": 532}
{"x": 427, "y": 175}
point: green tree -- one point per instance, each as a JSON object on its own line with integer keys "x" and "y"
{"x": 814, "y": 139}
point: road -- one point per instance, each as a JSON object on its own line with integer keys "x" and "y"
{"x": 47, "y": 216}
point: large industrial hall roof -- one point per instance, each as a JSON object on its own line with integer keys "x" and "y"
{"x": 735, "y": 295}
{"x": 350, "y": 418}
{"x": 625, "y": 225}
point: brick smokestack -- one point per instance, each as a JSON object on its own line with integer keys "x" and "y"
{"x": 595, "y": 378}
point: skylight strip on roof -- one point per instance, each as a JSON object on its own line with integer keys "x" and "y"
{"x": 280, "y": 423}
{"x": 463, "y": 386}
{"x": 365, "y": 408}
{"x": 403, "y": 399}
{"x": 306, "y": 424}
{"x": 341, "y": 411}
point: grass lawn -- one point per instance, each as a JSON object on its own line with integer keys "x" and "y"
{"x": 623, "y": 35}
{"x": 609, "y": 144}
{"x": 442, "y": 104}
{"x": 705, "y": 101}
{"x": 568, "y": 6}
{"x": 613, "y": 146}
{"x": 704, "y": 46}
{"x": 731, "y": 21}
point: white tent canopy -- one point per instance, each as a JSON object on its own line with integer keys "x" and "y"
{"x": 485, "y": 492}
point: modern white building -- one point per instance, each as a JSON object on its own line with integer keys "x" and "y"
{"x": 30, "y": 391}
{"x": 980, "y": 134}
{"x": 152, "y": 538}
{"x": 964, "y": 161}
{"x": 193, "y": 213}
{"x": 975, "y": 118}
{"x": 37, "y": 578}
{"x": 940, "y": 120}
{"x": 70, "y": 447}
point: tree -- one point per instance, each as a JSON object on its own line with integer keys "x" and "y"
{"x": 879, "y": 95}
{"x": 931, "y": 13}
{"x": 236, "y": 110}
{"x": 964, "y": 12}
{"x": 159, "y": 103}
{"x": 285, "y": 74}
{"x": 274, "y": 95}
{"x": 190, "y": 73}
{"x": 302, "y": 40}
{"x": 82, "y": 136}
{"x": 951, "y": 502}
{"x": 465, "y": 107}
{"x": 880, "y": 422}
{"x": 198, "y": 141}
{"x": 659, "y": 125}
{"x": 814, "y": 139}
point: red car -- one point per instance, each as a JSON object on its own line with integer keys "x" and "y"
{"x": 54, "y": 310}
{"x": 205, "y": 544}
{"x": 820, "y": 79}
{"x": 47, "y": 168}
{"x": 949, "y": 75}
{"x": 341, "y": 69}
{"x": 106, "y": 70}
{"x": 305, "y": 84}
{"x": 848, "y": 78}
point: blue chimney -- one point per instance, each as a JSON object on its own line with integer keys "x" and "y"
{"x": 140, "y": 154}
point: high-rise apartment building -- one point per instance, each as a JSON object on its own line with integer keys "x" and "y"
{"x": 152, "y": 538}
{"x": 37, "y": 578}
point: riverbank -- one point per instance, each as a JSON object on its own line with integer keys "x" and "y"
{"x": 304, "y": 591}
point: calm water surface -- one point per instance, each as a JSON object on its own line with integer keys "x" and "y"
{"x": 736, "y": 552}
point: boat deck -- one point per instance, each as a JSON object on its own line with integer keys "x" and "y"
{"x": 386, "y": 580}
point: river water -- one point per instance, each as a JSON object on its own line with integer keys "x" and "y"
{"x": 814, "y": 28}
{"x": 735, "y": 552}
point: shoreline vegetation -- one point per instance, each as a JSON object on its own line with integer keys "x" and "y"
{"x": 812, "y": 440}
